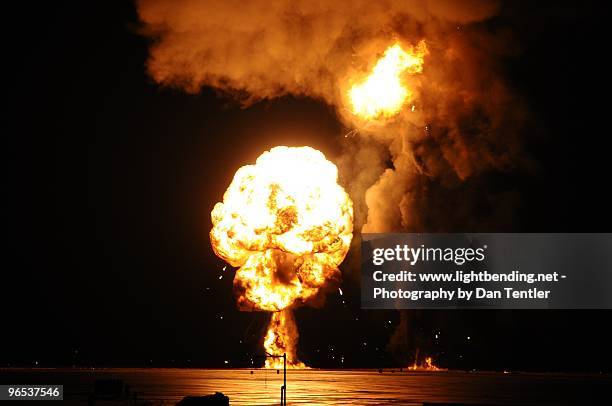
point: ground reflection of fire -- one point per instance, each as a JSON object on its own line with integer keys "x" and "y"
{"x": 288, "y": 225}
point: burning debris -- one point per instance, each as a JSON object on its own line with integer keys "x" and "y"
{"x": 288, "y": 225}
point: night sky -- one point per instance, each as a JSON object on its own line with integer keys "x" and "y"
{"x": 111, "y": 181}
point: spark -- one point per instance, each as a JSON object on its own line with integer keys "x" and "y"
{"x": 351, "y": 133}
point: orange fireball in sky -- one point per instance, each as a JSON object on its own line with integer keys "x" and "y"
{"x": 383, "y": 93}
{"x": 287, "y": 224}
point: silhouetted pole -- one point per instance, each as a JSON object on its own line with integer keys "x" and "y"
{"x": 284, "y": 387}
{"x": 285, "y": 378}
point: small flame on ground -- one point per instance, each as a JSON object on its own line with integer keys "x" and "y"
{"x": 426, "y": 365}
{"x": 383, "y": 93}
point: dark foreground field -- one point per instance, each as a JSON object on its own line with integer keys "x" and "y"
{"x": 330, "y": 387}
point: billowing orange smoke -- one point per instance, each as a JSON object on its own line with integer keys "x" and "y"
{"x": 288, "y": 225}
{"x": 383, "y": 93}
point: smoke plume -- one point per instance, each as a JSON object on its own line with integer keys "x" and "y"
{"x": 433, "y": 166}
{"x": 400, "y": 174}
{"x": 265, "y": 49}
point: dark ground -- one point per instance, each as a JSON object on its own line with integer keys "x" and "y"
{"x": 333, "y": 387}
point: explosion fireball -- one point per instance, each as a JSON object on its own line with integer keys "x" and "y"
{"x": 287, "y": 224}
{"x": 383, "y": 93}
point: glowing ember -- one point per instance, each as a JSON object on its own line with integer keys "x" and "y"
{"x": 288, "y": 225}
{"x": 382, "y": 94}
